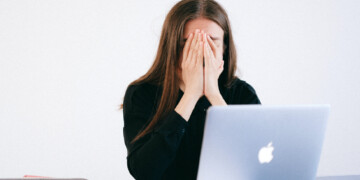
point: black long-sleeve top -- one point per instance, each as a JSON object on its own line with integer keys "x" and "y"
{"x": 171, "y": 151}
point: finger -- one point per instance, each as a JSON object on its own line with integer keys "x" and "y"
{"x": 212, "y": 59}
{"x": 194, "y": 55}
{"x": 190, "y": 55}
{"x": 202, "y": 35}
{"x": 198, "y": 38}
{"x": 210, "y": 53}
{"x": 206, "y": 52}
{"x": 196, "y": 49}
{"x": 186, "y": 47}
{"x": 211, "y": 43}
{"x": 193, "y": 47}
{"x": 193, "y": 42}
{"x": 200, "y": 59}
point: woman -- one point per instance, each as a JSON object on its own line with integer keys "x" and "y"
{"x": 164, "y": 110}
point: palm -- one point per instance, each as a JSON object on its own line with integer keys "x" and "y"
{"x": 213, "y": 67}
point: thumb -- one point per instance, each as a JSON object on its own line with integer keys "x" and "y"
{"x": 204, "y": 80}
{"x": 221, "y": 64}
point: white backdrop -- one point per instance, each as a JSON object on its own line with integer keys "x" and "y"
{"x": 65, "y": 65}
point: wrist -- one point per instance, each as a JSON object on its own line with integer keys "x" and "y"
{"x": 192, "y": 95}
{"x": 213, "y": 95}
{"x": 216, "y": 99}
{"x": 186, "y": 105}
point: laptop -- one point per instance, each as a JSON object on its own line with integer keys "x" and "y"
{"x": 261, "y": 142}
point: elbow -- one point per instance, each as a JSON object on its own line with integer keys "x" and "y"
{"x": 130, "y": 166}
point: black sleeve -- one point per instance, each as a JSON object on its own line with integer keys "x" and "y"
{"x": 245, "y": 94}
{"x": 149, "y": 157}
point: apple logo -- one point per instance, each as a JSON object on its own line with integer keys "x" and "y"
{"x": 265, "y": 153}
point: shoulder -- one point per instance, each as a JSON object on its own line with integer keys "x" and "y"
{"x": 142, "y": 89}
{"x": 242, "y": 85}
{"x": 139, "y": 96}
{"x": 241, "y": 92}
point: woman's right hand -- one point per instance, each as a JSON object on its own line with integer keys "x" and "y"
{"x": 192, "y": 65}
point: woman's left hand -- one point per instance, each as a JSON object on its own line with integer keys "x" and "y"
{"x": 214, "y": 65}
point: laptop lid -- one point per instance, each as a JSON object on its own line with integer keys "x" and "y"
{"x": 262, "y": 142}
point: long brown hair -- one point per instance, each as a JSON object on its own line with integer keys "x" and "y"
{"x": 164, "y": 68}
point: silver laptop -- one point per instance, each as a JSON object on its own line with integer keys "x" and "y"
{"x": 261, "y": 142}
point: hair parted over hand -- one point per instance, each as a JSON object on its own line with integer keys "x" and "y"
{"x": 166, "y": 63}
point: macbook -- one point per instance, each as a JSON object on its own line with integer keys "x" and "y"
{"x": 261, "y": 142}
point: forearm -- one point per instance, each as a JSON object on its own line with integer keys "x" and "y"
{"x": 149, "y": 157}
{"x": 154, "y": 157}
{"x": 186, "y": 105}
